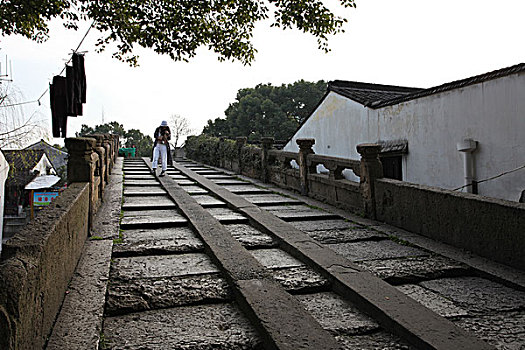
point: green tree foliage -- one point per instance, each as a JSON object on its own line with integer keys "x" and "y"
{"x": 142, "y": 142}
{"x": 268, "y": 110}
{"x": 130, "y": 138}
{"x": 175, "y": 28}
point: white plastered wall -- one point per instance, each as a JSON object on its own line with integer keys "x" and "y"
{"x": 492, "y": 113}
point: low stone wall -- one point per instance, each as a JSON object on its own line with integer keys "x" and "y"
{"x": 36, "y": 266}
{"x": 489, "y": 227}
{"x": 38, "y": 262}
{"x": 341, "y": 193}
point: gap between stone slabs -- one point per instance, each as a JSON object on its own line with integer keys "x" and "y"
{"x": 393, "y": 310}
{"x": 281, "y": 320}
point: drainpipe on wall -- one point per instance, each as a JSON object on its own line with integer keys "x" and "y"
{"x": 467, "y": 146}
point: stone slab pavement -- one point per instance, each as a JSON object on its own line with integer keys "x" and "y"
{"x": 79, "y": 323}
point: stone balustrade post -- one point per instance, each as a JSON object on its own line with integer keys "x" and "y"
{"x": 116, "y": 146}
{"x": 102, "y": 164}
{"x": 305, "y": 148}
{"x": 107, "y": 143}
{"x": 81, "y": 167}
{"x": 220, "y": 151}
{"x": 267, "y": 144}
{"x": 240, "y": 141}
{"x": 370, "y": 169}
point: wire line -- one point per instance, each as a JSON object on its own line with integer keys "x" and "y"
{"x": 62, "y": 71}
{"x": 492, "y": 178}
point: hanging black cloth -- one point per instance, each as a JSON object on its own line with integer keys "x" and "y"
{"x": 75, "y": 104}
{"x": 59, "y": 102}
{"x": 80, "y": 75}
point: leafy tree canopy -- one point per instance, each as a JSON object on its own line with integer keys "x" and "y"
{"x": 130, "y": 138}
{"x": 268, "y": 110}
{"x": 176, "y": 28}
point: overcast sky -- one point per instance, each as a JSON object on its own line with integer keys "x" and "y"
{"x": 406, "y": 42}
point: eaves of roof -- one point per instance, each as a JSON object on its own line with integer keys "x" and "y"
{"x": 518, "y": 68}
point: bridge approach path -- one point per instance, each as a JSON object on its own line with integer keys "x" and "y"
{"x": 209, "y": 260}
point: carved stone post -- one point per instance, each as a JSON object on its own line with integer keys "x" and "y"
{"x": 108, "y": 145}
{"x": 220, "y": 151}
{"x": 371, "y": 169}
{"x": 267, "y": 144}
{"x": 102, "y": 164}
{"x": 81, "y": 166}
{"x": 305, "y": 148}
{"x": 240, "y": 142}
{"x": 116, "y": 146}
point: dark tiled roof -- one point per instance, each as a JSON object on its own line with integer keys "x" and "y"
{"x": 367, "y": 94}
{"x": 519, "y": 68}
{"x": 57, "y": 157}
{"x": 20, "y": 164}
{"x": 377, "y": 96}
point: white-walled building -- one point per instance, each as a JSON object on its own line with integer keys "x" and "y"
{"x": 473, "y": 128}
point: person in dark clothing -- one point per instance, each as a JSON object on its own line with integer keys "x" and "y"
{"x": 161, "y": 147}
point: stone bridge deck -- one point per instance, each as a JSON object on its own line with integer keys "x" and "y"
{"x": 207, "y": 260}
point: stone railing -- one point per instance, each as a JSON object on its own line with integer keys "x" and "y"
{"x": 489, "y": 227}
{"x": 38, "y": 262}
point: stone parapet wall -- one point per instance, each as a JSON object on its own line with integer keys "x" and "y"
{"x": 36, "y": 266}
{"x": 489, "y": 227}
{"x": 38, "y": 262}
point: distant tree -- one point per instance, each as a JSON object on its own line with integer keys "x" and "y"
{"x": 133, "y": 137}
{"x": 175, "y": 28}
{"x": 142, "y": 143}
{"x": 17, "y": 129}
{"x": 107, "y": 128}
{"x": 268, "y": 110}
{"x": 179, "y": 126}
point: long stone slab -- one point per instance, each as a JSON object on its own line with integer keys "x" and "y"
{"x": 269, "y": 199}
{"x": 300, "y": 213}
{"x": 337, "y": 315}
{"x": 141, "y": 294}
{"x": 478, "y": 295}
{"x": 347, "y": 235}
{"x": 226, "y": 215}
{"x": 140, "y": 177}
{"x": 147, "y": 202}
{"x": 135, "y": 182}
{"x": 414, "y": 269}
{"x": 216, "y": 326}
{"x": 144, "y": 191}
{"x": 275, "y": 258}
{"x": 246, "y": 189}
{"x": 391, "y": 308}
{"x": 504, "y": 330}
{"x": 376, "y": 340}
{"x": 374, "y": 250}
{"x": 194, "y": 189}
{"x": 152, "y": 218}
{"x": 300, "y": 279}
{"x": 250, "y": 237}
{"x": 208, "y": 201}
{"x": 157, "y": 241}
{"x": 439, "y": 304}
{"x": 157, "y": 266}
